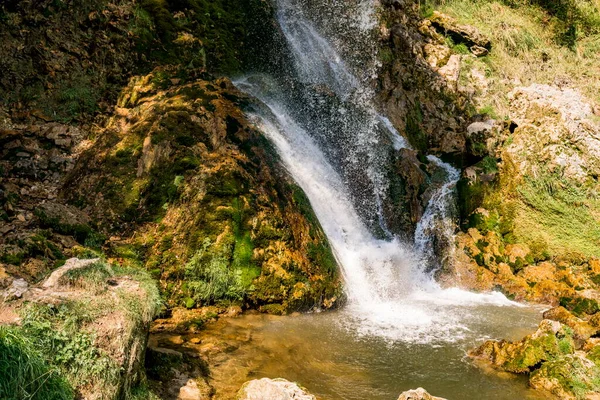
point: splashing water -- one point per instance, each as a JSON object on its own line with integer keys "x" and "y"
{"x": 334, "y": 144}
{"x": 437, "y": 218}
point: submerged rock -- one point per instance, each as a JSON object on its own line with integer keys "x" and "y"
{"x": 418, "y": 394}
{"x": 273, "y": 389}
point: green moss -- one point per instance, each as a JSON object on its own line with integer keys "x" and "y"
{"x": 321, "y": 255}
{"x": 594, "y": 355}
{"x": 189, "y": 302}
{"x": 534, "y": 352}
{"x": 579, "y": 305}
{"x": 275, "y": 309}
{"x": 517, "y": 265}
{"x": 471, "y": 195}
{"x": 570, "y": 374}
{"x": 210, "y": 276}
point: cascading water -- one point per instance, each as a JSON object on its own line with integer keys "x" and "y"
{"x": 437, "y": 218}
{"x": 334, "y": 143}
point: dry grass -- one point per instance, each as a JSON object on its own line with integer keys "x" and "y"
{"x": 525, "y": 48}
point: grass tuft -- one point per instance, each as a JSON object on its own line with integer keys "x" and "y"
{"x": 24, "y": 374}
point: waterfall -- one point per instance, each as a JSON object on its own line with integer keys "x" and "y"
{"x": 336, "y": 146}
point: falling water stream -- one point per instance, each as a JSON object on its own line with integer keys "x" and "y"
{"x": 399, "y": 329}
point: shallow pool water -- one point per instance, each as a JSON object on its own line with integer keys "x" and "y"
{"x": 325, "y": 353}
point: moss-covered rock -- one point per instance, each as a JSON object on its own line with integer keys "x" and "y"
{"x": 554, "y": 357}
{"x": 214, "y": 214}
{"x": 571, "y": 376}
{"x": 89, "y": 322}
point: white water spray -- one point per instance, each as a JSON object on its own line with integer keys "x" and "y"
{"x": 437, "y": 218}
{"x": 390, "y": 294}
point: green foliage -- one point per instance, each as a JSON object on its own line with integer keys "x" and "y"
{"x": 24, "y": 374}
{"x": 489, "y": 165}
{"x": 221, "y": 27}
{"x": 72, "y": 99}
{"x": 34, "y": 246}
{"x": 489, "y": 111}
{"x": 92, "y": 277}
{"x": 210, "y": 276}
{"x": 82, "y": 233}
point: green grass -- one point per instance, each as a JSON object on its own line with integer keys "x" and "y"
{"x": 560, "y": 213}
{"x": 56, "y": 332}
{"x": 92, "y": 277}
{"x": 24, "y": 374}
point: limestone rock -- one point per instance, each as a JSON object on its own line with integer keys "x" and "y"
{"x": 273, "y": 389}
{"x": 461, "y": 33}
{"x": 190, "y": 391}
{"x": 482, "y": 137}
{"x": 555, "y": 128}
{"x": 559, "y": 376}
{"x": 525, "y": 355}
{"x": 418, "y": 394}
{"x": 70, "y": 264}
{"x": 16, "y": 290}
{"x": 582, "y": 330}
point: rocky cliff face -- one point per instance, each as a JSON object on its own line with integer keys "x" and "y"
{"x": 527, "y": 194}
{"x": 525, "y": 132}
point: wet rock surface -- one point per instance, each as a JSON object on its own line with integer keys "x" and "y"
{"x": 185, "y": 155}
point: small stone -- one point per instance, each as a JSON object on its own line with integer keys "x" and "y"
{"x": 23, "y": 154}
{"x": 479, "y": 51}
{"x": 418, "y": 394}
{"x": 190, "y": 391}
{"x": 273, "y": 389}
{"x": 16, "y": 290}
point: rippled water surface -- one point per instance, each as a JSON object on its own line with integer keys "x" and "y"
{"x": 326, "y": 354}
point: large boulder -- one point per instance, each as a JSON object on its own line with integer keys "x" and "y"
{"x": 273, "y": 389}
{"x": 188, "y": 180}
